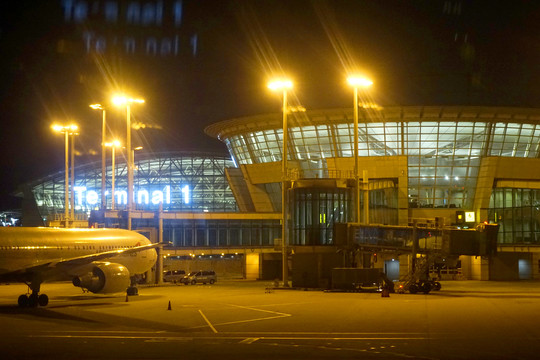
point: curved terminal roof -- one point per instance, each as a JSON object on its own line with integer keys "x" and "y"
{"x": 227, "y": 128}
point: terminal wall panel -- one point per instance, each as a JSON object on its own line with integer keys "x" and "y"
{"x": 271, "y": 268}
{"x": 261, "y": 199}
{"x": 314, "y": 270}
{"x": 240, "y": 190}
{"x": 252, "y": 266}
{"x": 516, "y": 168}
{"x": 504, "y": 267}
{"x": 378, "y": 167}
{"x": 268, "y": 172}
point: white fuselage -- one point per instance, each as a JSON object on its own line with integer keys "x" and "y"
{"x": 24, "y": 247}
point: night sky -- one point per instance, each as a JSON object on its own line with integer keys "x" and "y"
{"x": 213, "y": 63}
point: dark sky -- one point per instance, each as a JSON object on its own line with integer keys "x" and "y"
{"x": 418, "y": 52}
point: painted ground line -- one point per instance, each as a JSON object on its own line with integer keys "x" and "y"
{"x": 208, "y": 322}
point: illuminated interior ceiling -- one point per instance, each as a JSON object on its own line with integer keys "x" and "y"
{"x": 181, "y": 181}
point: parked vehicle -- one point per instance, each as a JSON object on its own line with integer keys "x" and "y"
{"x": 201, "y": 276}
{"x": 173, "y": 276}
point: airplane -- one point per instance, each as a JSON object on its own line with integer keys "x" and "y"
{"x": 97, "y": 260}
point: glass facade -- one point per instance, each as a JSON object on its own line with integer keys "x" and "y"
{"x": 221, "y": 233}
{"x": 517, "y": 211}
{"x": 314, "y": 212}
{"x": 188, "y": 182}
{"x": 444, "y": 147}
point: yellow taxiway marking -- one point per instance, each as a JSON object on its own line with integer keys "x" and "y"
{"x": 208, "y": 322}
{"x": 249, "y": 341}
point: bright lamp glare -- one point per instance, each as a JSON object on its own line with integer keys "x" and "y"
{"x": 119, "y": 100}
{"x": 114, "y": 143}
{"x": 65, "y": 128}
{"x": 359, "y": 81}
{"x": 280, "y": 84}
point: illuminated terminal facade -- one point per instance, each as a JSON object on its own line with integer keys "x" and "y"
{"x": 465, "y": 165}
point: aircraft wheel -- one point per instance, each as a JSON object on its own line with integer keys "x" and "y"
{"x": 23, "y": 300}
{"x": 43, "y": 300}
{"x": 33, "y": 300}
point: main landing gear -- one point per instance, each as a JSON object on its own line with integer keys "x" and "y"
{"x": 34, "y": 299}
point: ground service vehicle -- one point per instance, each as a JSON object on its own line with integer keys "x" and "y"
{"x": 173, "y": 276}
{"x": 201, "y": 276}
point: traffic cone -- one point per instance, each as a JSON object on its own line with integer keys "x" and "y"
{"x": 169, "y": 308}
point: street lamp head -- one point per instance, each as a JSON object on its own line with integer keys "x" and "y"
{"x": 281, "y": 84}
{"x": 57, "y": 128}
{"x": 358, "y": 81}
{"x": 97, "y": 107}
{"x": 71, "y": 128}
{"x": 120, "y": 100}
{"x": 114, "y": 143}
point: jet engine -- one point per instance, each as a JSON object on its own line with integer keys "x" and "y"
{"x": 104, "y": 278}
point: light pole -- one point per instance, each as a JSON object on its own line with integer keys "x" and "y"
{"x": 103, "y": 139}
{"x": 356, "y": 82}
{"x": 113, "y": 145}
{"x": 66, "y": 130}
{"x": 283, "y": 85}
{"x": 73, "y": 174}
{"x": 120, "y": 100}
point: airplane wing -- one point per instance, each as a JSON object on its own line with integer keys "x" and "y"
{"x": 50, "y": 267}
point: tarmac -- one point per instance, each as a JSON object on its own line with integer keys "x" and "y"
{"x": 251, "y": 319}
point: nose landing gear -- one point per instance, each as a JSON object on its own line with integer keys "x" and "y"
{"x": 34, "y": 299}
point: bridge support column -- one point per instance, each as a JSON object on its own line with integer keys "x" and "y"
{"x": 252, "y": 266}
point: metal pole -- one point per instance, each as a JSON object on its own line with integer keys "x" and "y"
{"x": 356, "y": 175}
{"x": 159, "y": 262}
{"x": 103, "y": 168}
{"x": 284, "y": 204}
{"x": 366, "y": 196}
{"x": 129, "y": 165}
{"x": 66, "y": 180}
{"x": 113, "y": 170}
{"x": 72, "y": 176}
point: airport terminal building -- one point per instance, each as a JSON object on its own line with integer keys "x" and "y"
{"x": 462, "y": 165}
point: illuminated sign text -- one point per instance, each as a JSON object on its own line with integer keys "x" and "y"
{"x": 84, "y": 196}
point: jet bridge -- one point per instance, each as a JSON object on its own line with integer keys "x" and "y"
{"x": 426, "y": 240}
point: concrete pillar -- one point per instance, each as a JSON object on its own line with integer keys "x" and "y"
{"x": 404, "y": 261}
{"x": 252, "y": 266}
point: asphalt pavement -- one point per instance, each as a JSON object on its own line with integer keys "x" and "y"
{"x": 251, "y": 320}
